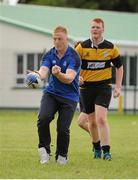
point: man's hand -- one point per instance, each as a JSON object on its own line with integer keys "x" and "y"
{"x": 81, "y": 82}
{"x": 56, "y": 70}
{"x": 116, "y": 92}
{"x": 66, "y": 77}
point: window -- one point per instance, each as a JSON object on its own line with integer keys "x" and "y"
{"x": 114, "y": 71}
{"x": 124, "y": 61}
{"x": 39, "y": 59}
{"x": 133, "y": 70}
{"x": 20, "y": 64}
{"x": 29, "y": 61}
{"x": 130, "y": 65}
{"x": 32, "y": 61}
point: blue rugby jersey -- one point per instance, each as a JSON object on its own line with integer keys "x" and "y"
{"x": 71, "y": 60}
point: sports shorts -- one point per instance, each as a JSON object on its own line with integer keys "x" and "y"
{"x": 95, "y": 95}
{"x": 82, "y": 109}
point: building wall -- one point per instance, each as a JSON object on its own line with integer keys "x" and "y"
{"x": 15, "y": 40}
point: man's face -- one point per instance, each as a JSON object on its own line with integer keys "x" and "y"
{"x": 96, "y": 30}
{"x": 60, "y": 41}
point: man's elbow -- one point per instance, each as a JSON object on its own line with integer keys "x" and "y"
{"x": 70, "y": 78}
{"x": 69, "y": 81}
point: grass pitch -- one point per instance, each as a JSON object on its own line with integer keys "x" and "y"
{"x": 19, "y": 157}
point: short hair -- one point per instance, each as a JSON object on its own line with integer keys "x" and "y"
{"x": 99, "y": 20}
{"x": 60, "y": 29}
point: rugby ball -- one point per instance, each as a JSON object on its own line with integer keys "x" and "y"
{"x": 33, "y": 80}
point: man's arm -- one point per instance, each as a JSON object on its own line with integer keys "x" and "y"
{"x": 118, "y": 85}
{"x": 34, "y": 78}
{"x": 43, "y": 71}
{"x": 67, "y": 77}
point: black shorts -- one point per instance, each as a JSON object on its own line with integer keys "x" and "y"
{"x": 82, "y": 109}
{"x": 97, "y": 95}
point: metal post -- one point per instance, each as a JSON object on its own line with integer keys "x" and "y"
{"x": 120, "y": 104}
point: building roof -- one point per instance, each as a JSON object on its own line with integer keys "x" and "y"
{"x": 119, "y": 26}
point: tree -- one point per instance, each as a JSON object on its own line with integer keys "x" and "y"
{"x": 115, "y": 5}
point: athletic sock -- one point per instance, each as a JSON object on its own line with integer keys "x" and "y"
{"x": 96, "y": 145}
{"x": 106, "y": 149}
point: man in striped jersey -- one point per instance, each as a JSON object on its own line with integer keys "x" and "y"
{"x": 98, "y": 55}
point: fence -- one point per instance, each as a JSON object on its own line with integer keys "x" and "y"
{"x": 128, "y": 101}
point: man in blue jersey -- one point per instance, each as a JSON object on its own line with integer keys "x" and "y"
{"x": 60, "y": 95}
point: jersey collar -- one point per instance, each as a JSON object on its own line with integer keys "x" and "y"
{"x": 92, "y": 44}
{"x": 66, "y": 53}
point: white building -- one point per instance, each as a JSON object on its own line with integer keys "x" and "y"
{"x": 26, "y": 31}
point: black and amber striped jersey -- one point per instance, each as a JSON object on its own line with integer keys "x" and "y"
{"x": 97, "y": 62}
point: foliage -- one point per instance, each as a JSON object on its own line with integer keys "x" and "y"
{"x": 19, "y": 156}
{"x": 115, "y": 5}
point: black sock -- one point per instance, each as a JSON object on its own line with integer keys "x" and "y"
{"x": 106, "y": 149}
{"x": 96, "y": 145}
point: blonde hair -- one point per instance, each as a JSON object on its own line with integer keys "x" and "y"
{"x": 60, "y": 29}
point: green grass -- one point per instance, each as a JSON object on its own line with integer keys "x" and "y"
{"x": 19, "y": 158}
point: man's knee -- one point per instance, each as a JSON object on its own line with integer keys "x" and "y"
{"x": 80, "y": 122}
{"x": 63, "y": 131}
{"x": 44, "y": 119}
{"x": 101, "y": 121}
{"x": 83, "y": 118}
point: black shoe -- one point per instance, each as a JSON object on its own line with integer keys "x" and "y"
{"x": 97, "y": 154}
